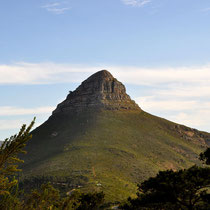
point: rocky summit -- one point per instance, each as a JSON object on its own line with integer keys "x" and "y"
{"x": 101, "y": 90}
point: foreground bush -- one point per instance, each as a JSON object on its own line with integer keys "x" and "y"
{"x": 45, "y": 197}
{"x": 183, "y": 189}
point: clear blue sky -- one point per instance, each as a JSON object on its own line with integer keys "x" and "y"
{"x": 159, "y": 48}
{"x": 162, "y": 32}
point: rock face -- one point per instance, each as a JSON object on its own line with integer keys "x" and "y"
{"x": 99, "y": 91}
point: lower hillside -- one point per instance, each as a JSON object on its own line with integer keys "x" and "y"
{"x": 109, "y": 151}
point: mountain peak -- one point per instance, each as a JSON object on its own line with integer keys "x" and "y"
{"x": 101, "y": 75}
{"x": 100, "y": 91}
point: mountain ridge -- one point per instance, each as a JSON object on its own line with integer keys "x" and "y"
{"x": 111, "y": 147}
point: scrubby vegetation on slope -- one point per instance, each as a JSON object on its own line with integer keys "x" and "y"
{"x": 110, "y": 151}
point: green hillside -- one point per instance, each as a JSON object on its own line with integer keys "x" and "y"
{"x": 110, "y": 150}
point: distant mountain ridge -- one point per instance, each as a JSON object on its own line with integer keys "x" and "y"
{"x": 102, "y": 140}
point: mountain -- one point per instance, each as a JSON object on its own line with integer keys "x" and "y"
{"x": 100, "y": 139}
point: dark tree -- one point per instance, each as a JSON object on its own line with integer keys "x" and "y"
{"x": 183, "y": 189}
{"x": 205, "y": 156}
{"x": 91, "y": 201}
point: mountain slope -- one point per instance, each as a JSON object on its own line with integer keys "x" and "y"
{"x": 107, "y": 142}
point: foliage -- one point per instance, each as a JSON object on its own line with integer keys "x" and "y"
{"x": 64, "y": 184}
{"x": 45, "y": 196}
{"x": 90, "y": 201}
{"x": 183, "y": 189}
{"x": 205, "y": 156}
{"x": 9, "y": 151}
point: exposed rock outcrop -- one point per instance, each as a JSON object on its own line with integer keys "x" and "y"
{"x": 99, "y": 91}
